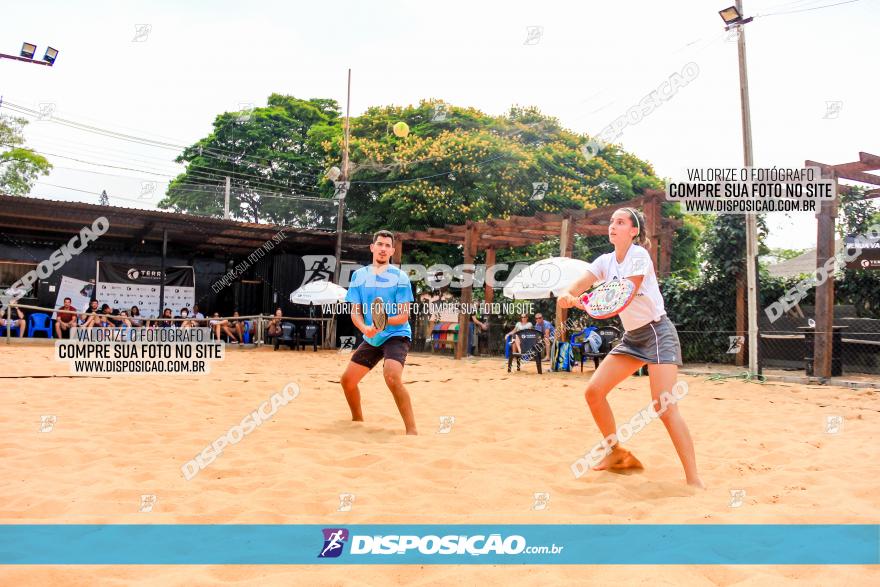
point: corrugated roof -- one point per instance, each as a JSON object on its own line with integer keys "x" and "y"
{"x": 30, "y": 218}
{"x": 804, "y": 263}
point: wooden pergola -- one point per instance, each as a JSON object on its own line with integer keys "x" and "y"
{"x": 855, "y": 171}
{"x": 517, "y": 231}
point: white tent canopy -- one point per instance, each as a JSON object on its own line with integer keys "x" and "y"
{"x": 545, "y": 278}
{"x": 318, "y": 293}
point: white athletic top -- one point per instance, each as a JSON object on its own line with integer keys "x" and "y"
{"x": 648, "y": 303}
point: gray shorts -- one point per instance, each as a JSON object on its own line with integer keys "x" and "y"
{"x": 655, "y": 343}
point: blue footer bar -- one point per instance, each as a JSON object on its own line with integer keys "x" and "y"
{"x": 641, "y": 544}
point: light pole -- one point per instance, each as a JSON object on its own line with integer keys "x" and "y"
{"x": 733, "y": 19}
{"x": 341, "y": 192}
{"x": 27, "y": 55}
{"x": 344, "y": 176}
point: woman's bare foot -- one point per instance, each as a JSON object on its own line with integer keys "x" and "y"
{"x": 696, "y": 482}
{"x": 619, "y": 459}
{"x": 412, "y": 432}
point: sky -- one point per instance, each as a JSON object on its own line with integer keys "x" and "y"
{"x": 164, "y": 70}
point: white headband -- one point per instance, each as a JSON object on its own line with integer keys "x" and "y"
{"x": 636, "y": 216}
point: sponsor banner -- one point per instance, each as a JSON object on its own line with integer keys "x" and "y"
{"x": 123, "y": 285}
{"x": 862, "y": 253}
{"x": 698, "y": 544}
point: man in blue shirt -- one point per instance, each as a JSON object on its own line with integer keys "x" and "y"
{"x": 548, "y": 333}
{"x": 380, "y": 280}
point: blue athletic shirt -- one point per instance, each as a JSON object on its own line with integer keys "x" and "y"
{"x": 392, "y": 285}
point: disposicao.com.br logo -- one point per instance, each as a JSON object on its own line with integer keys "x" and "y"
{"x": 393, "y": 544}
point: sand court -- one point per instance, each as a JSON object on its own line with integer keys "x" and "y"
{"x": 111, "y": 452}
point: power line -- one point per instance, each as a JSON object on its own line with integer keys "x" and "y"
{"x": 87, "y": 162}
{"x": 257, "y": 180}
{"x": 807, "y": 9}
{"x": 216, "y": 151}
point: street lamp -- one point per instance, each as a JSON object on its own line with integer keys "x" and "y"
{"x": 51, "y": 55}
{"x": 28, "y": 50}
{"x": 732, "y": 16}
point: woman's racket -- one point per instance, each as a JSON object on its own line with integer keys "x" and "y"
{"x": 609, "y": 299}
{"x": 380, "y": 317}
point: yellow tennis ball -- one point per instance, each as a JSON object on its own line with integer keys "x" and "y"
{"x": 401, "y": 129}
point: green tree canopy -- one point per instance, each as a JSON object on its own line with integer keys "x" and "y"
{"x": 19, "y": 166}
{"x": 468, "y": 165}
{"x": 268, "y": 156}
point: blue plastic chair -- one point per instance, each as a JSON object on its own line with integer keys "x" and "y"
{"x": 40, "y": 322}
{"x": 247, "y": 332}
{"x": 13, "y": 329}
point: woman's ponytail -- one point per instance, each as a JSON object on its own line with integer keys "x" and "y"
{"x": 638, "y": 220}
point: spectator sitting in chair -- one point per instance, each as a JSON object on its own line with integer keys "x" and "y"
{"x": 274, "y": 328}
{"x": 215, "y": 324}
{"x": 105, "y": 321}
{"x": 220, "y": 325}
{"x": 135, "y": 317}
{"x": 185, "y": 323}
{"x": 198, "y": 318}
{"x": 16, "y": 319}
{"x": 66, "y": 319}
{"x": 523, "y": 324}
{"x": 124, "y": 320}
{"x": 237, "y": 325}
{"x": 90, "y": 317}
{"x": 548, "y": 332}
{"x": 166, "y": 321}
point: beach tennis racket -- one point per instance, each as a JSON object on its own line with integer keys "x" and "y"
{"x": 609, "y": 299}
{"x": 380, "y": 317}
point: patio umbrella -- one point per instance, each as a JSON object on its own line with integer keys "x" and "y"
{"x": 545, "y": 278}
{"x": 318, "y": 293}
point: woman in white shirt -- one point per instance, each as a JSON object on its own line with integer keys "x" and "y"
{"x": 650, "y": 338}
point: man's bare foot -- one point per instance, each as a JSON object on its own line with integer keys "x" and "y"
{"x": 620, "y": 459}
{"x": 696, "y": 482}
{"x": 357, "y": 419}
{"x": 412, "y": 432}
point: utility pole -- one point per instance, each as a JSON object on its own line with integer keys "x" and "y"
{"x": 340, "y": 211}
{"x": 751, "y": 219}
{"x": 226, "y": 199}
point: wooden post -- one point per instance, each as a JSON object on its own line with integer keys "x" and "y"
{"x": 825, "y": 291}
{"x": 489, "y": 285}
{"x": 467, "y": 294}
{"x": 489, "y": 295}
{"x": 566, "y": 244}
{"x": 665, "y": 244}
{"x": 741, "y": 319}
{"x": 652, "y": 225}
{"x": 398, "y": 253}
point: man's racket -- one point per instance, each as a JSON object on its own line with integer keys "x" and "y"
{"x": 380, "y": 317}
{"x": 609, "y": 299}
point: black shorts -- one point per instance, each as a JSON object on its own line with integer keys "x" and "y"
{"x": 395, "y": 348}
